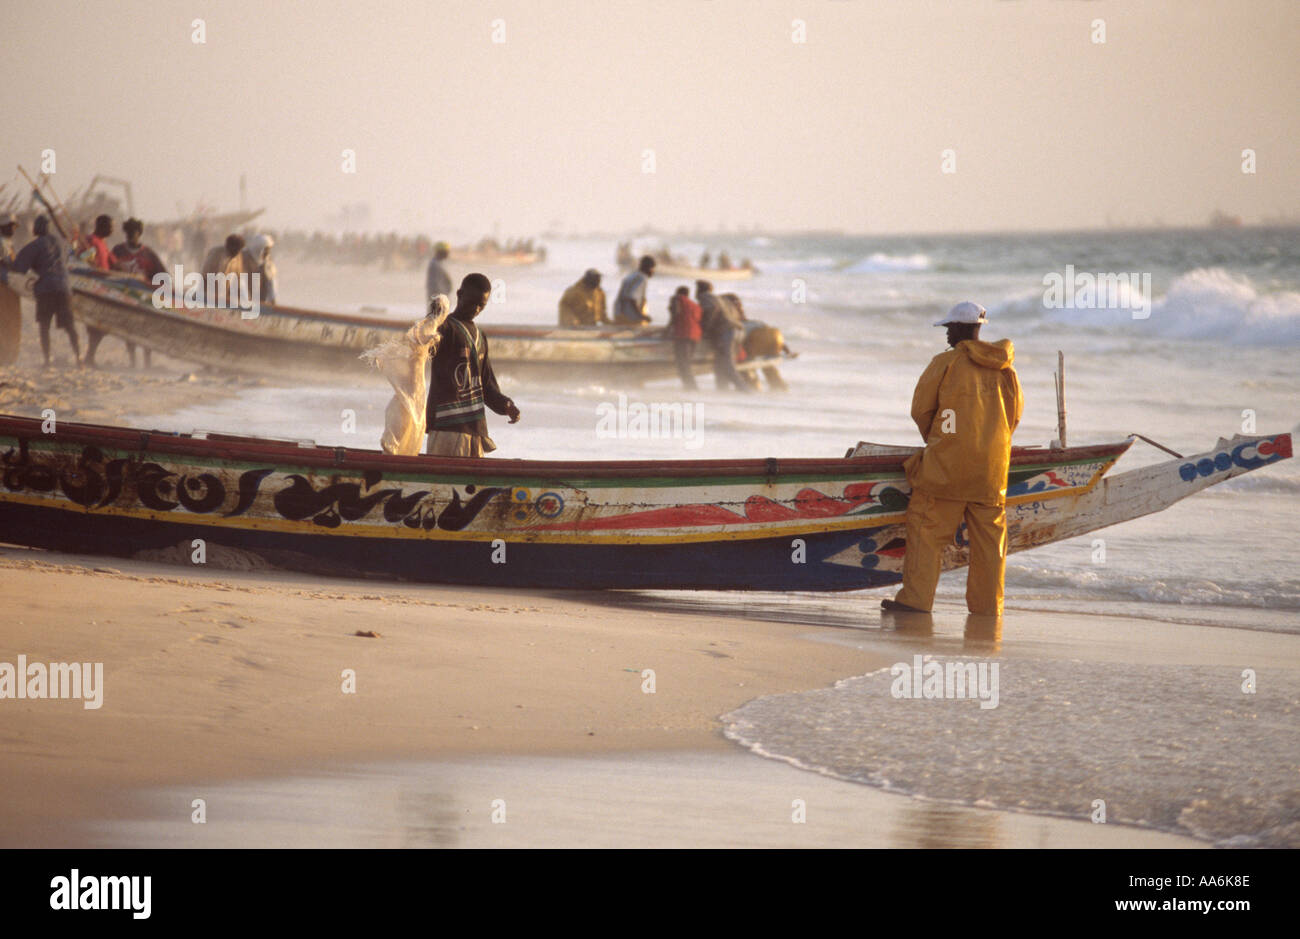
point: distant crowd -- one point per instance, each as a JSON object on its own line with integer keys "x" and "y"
{"x": 189, "y": 242}
{"x": 47, "y": 255}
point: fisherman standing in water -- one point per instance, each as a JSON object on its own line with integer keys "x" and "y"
{"x": 967, "y": 404}
{"x": 463, "y": 381}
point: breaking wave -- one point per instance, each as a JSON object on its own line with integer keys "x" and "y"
{"x": 879, "y": 263}
{"x": 1206, "y": 303}
{"x": 1280, "y": 593}
{"x": 1211, "y": 303}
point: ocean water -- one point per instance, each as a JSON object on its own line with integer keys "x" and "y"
{"x": 1216, "y": 351}
{"x": 1178, "y": 749}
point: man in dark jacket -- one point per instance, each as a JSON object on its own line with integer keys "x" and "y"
{"x": 46, "y": 255}
{"x": 722, "y": 325}
{"x": 463, "y": 382}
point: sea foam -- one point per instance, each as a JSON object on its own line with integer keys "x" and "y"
{"x": 1176, "y": 748}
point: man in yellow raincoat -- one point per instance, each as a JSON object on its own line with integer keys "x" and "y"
{"x": 967, "y": 404}
{"x": 583, "y": 304}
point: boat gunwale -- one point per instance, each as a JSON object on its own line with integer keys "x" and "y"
{"x": 493, "y": 331}
{"x": 248, "y": 449}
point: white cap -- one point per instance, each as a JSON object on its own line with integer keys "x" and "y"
{"x": 258, "y": 243}
{"x": 965, "y": 312}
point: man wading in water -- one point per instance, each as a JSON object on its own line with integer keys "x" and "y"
{"x": 463, "y": 381}
{"x": 966, "y": 405}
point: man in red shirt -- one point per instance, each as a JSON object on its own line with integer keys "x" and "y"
{"x": 684, "y": 324}
{"x": 98, "y": 255}
{"x": 97, "y": 252}
{"x": 136, "y": 258}
{"x": 133, "y": 256}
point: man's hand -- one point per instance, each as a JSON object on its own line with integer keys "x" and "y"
{"x": 512, "y": 412}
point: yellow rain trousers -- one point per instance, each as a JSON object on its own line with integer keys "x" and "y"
{"x": 761, "y": 342}
{"x": 967, "y": 404}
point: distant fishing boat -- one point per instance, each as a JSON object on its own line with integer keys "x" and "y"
{"x": 687, "y": 272}
{"x": 495, "y": 258}
{"x": 399, "y": 261}
{"x": 760, "y": 524}
{"x": 289, "y": 342}
{"x": 1222, "y": 220}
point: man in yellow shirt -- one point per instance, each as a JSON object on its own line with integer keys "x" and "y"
{"x": 967, "y": 404}
{"x": 583, "y": 304}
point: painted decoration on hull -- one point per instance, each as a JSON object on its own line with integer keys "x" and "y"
{"x": 1249, "y": 455}
{"x": 368, "y": 502}
{"x": 676, "y": 524}
{"x": 92, "y": 481}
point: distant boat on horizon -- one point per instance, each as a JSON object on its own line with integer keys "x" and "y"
{"x": 1224, "y": 220}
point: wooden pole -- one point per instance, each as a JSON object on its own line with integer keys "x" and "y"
{"x": 1060, "y": 399}
{"x": 49, "y": 184}
{"x": 54, "y": 216}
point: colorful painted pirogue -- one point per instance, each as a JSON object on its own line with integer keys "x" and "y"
{"x": 775, "y": 524}
{"x": 289, "y": 342}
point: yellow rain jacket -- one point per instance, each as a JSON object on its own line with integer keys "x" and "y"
{"x": 966, "y": 405}
{"x": 583, "y": 306}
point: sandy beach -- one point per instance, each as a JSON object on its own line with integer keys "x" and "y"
{"x": 227, "y": 685}
{"x": 212, "y": 675}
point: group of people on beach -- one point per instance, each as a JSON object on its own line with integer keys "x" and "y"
{"x": 966, "y": 406}
{"x": 716, "y": 319}
{"x": 47, "y": 255}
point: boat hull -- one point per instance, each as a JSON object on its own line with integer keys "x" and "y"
{"x": 706, "y": 524}
{"x": 289, "y": 342}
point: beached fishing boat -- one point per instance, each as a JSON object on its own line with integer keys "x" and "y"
{"x": 293, "y": 343}
{"x": 773, "y": 524}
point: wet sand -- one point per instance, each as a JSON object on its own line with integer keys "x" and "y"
{"x": 648, "y": 799}
{"x": 227, "y": 685}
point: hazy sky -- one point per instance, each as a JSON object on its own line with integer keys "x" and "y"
{"x": 454, "y": 132}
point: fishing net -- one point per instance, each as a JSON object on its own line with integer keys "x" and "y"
{"x": 402, "y": 361}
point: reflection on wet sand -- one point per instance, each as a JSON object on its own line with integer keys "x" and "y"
{"x": 722, "y": 798}
{"x": 423, "y": 817}
{"x": 983, "y": 633}
{"x": 933, "y": 825}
